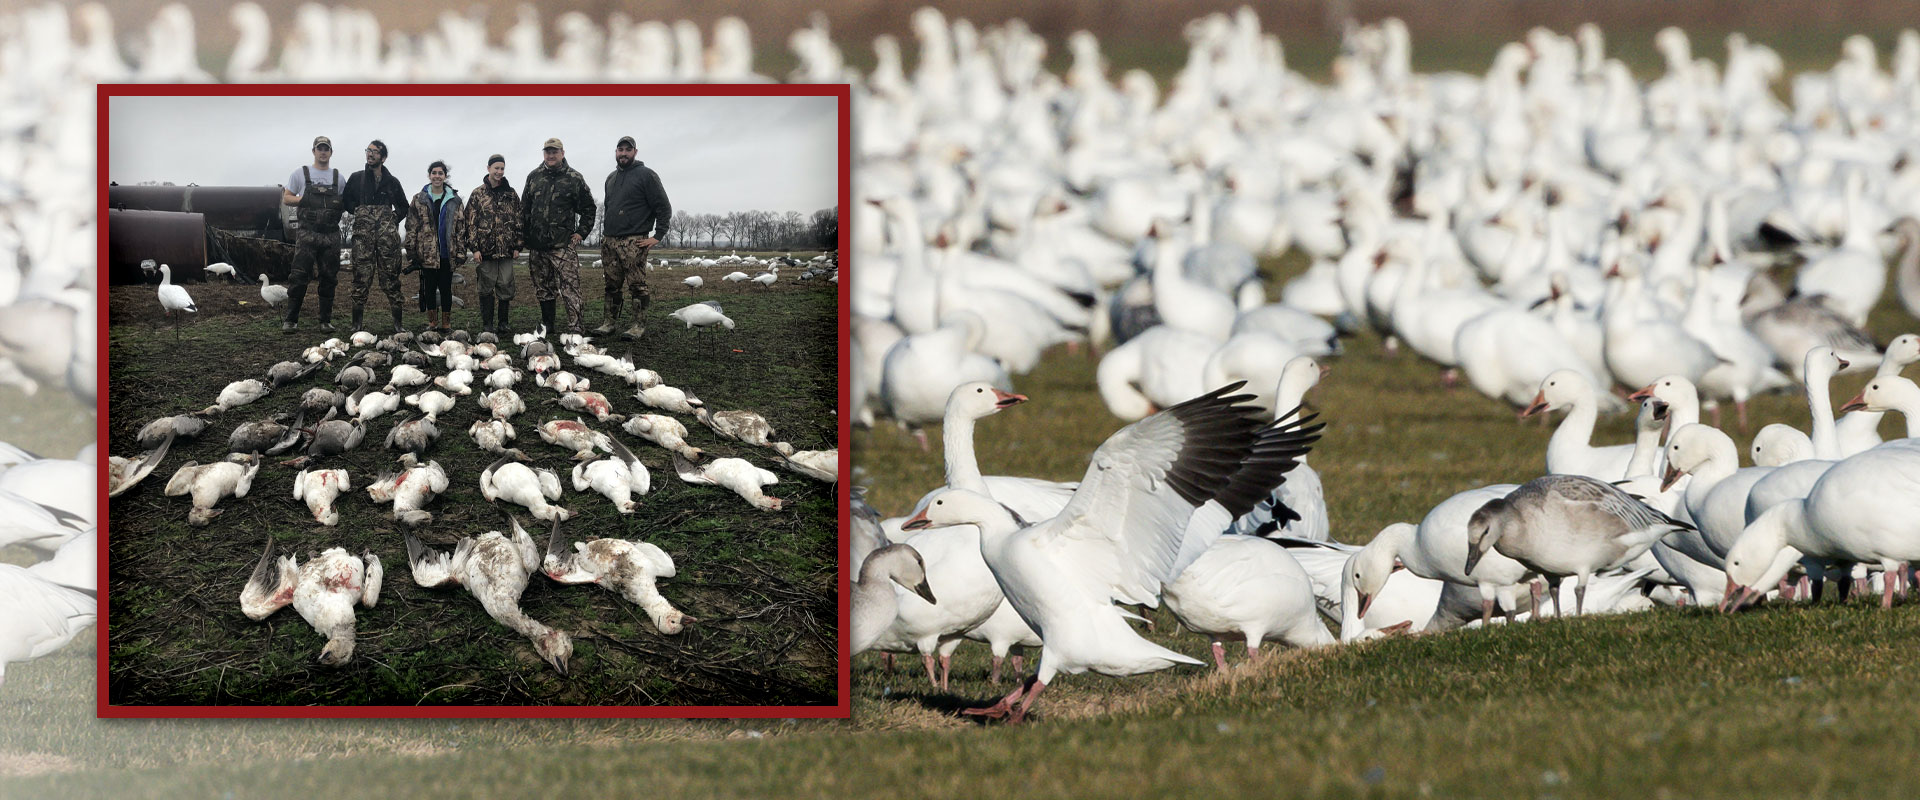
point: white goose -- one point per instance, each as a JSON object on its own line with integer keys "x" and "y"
{"x": 1860, "y": 511}
{"x": 42, "y": 615}
{"x": 1860, "y": 428}
{"x": 515, "y": 482}
{"x": 702, "y": 315}
{"x": 921, "y": 370}
{"x": 324, "y": 591}
{"x": 1891, "y": 393}
{"x": 492, "y": 436}
{"x": 238, "y": 393}
{"x": 275, "y": 296}
{"x": 1570, "y": 451}
{"x": 1436, "y": 549}
{"x": 319, "y": 488}
{"x": 173, "y": 297}
{"x": 629, "y": 569}
{"x": 1124, "y": 535}
{"x": 208, "y": 483}
{"x": 126, "y": 473}
{"x": 618, "y": 478}
{"x": 1248, "y": 587}
{"x": 664, "y": 431}
{"x": 668, "y": 398}
{"x": 1716, "y": 497}
{"x": 495, "y": 569}
{"x": 1302, "y": 492}
{"x": 737, "y": 474}
{"x": 410, "y": 491}
{"x": 574, "y": 435}
{"x": 1852, "y": 276}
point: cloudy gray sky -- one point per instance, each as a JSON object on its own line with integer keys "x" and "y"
{"x": 714, "y": 154}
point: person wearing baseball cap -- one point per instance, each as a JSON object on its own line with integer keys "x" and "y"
{"x": 315, "y": 190}
{"x": 491, "y": 230}
{"x": 556, "y": 212}
{"x": 637, "y": 216}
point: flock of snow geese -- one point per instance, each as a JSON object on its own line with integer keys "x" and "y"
{"x": 332, "y": 419}
{"x": 1550, "y": 230}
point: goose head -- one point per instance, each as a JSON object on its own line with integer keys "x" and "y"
{"x": 1694, "y": 446}
{"x": 556, "y": 647}
{"x": 1561, "y": 388}
{"x": 1885, "y": 393}
{"x": 339, "y": 649}
{"x": 901, "y": 564}
{"x": 1369, "y": 569}
{"x": 1778, "y": 444}
{"x": 1822, "y": 364}
{"x": 1761, "y": 556}
{"x": 1484, "y": 529}
{"x": 954, "y": 507}
{"x": 980, "y": 399}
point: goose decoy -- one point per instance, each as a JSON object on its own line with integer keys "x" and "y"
{"x": 323, "y": 591}
{"x": 626, "y": 568}
{"x": 740, "y": 426}
{"x": 492, "y": 436}
{"x": 275, "y": 296}
{"x": 495, "y": 569}
{"x": 737, "y": 474}
{"x": 238, "y": 393}
{"x": 126, "y": 473}
{"x": 410, "y": 491}
{"x": 618, "y": 477}
{"x": 287, "y": 372}
{"x": 736, "y": 277}
{"x": 593, "y": 403}
{"x": 576, "y": 436}
{"x": 319, "y": 488}
{"x": 502, "y": 403}
{"x": 1561, "y": 525}
{"x": 875, "y": 605}
{"x": 664, "y": 431}
{"x": 221, "y": 268}
{"x": 173, "y": 297}
{"x": 703, "y": 315}
{"x": 179, "y": 426}
{"x": 514, "y": 482}
{"x": 668, "y": 398}
{"x": 413, "y": 435}
{"x": 208, "y": 483}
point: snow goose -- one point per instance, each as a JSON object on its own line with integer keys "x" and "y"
{"x": 1793, "y": 326}
{"x": 413, "y": 436}
{"x": 1301, "y": 493}
{"x": 492, "y": 436}
{"x": 406, "y": 376}
{"x": 694, "y": 281}
{"x": 285, "y": 372}
{"x": 561, "y": 381}
{"x": 411, "y": 490}
{"x": 1890, "y": 393}
{"x": 502, "y": 403}
{"x": 433, "y": 403}
{"x": 459, "y": 381}
{"x": 323, "y": 591}
{"x": 593, "y": 403}
{"x": 1028, "y": 498}
{"x": 208, "y": 483}
{"x": 274, "y": 295}
{"x": 318, "y": 488}
{"x": 35, "y": 524}
{"x": 1209, "y": 457}
{"x": 173, "y": 297}
{"x": 514, "y": 482}
{"x": 238, "y": 393}
{"x": 1860, "y": 511}
{"x": 574, "y": 435}
{"x": 874, "y": 605}
{"x": 1906, "y": 273}
{"x": 820, "y": 465}
{"x": 180, "y": 426}
{"x": 740, "y": 426}
{"x": 1716, "y": 497}
{"x": 664, "y": 431}
{"x": 1778, "y": 444}
{"x": 626, "y": 568}
{"x": 1434, "y": 550}
{"x": 503, "y": 377}
{"x": 920, "y": 371}
{"x": 703, "y": 315}
{"x": 737, "y": 474}
{"x": 271, "y": 436}
{"x": 42, "y": 615}
{"x": 668, "y": 398}
{"x": 1860, "y": 428}
{"x": 495, "y": 569}
{"x": 1641, "y": 344}
{"x": 1248, "y": 587}
{"x": 1570, "y": 451}
{"x": 1156, "y": 369}
{"x": 735, "y": 277}
{"x": 1508, "y": 352}
{"x": 618, "y": 477}
{"x": 126, "y": 473}
{"x": 1561, "y": 525}
{"x": 1852, "y": 276}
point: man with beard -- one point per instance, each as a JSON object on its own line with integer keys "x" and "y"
{"x": 637, "y": 216}
{"x": 316, "y": 191}
{"x": 376, "y": 201}
{"x": 556, "y": 212}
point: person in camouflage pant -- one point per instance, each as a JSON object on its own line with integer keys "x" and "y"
{"x": 376, "y": 201}
{"x": 490, "y": 228}
{"x": 316, "y": 192}
{"x": 556, "y": 212}
{"x": 637, "y": 216}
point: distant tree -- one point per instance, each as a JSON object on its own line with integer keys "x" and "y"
{"x": 826, "y": 229}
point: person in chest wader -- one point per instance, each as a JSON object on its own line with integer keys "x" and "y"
{"x": 376, "y": 201}
{"x": 556, "y": 212}
{"x": 637, "y": 216}
{"x": 315, "y": 191}
{"x": 433, "y": 237}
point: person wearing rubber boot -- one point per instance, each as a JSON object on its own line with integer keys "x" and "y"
{"x": 377, "y": 202}
{"x": 490, "y": 227}
{"x": 315, "y": 191}
{"x": 556, "y": 212}
{"x": 433, "y": 236}
{"x": 637, "y": 217}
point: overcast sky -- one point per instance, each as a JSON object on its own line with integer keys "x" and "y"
{"x": 713, "y": 154}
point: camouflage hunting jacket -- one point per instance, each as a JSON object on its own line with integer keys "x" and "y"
{"x": 555, "y": 205}
{"x": 425, "y": 233}
{"x": 490, "y": 223}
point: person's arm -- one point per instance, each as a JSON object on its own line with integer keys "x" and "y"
{"x": 662, "y": 210}
{"x": 517, "y": 237}
{"x": 350, "y": 196}
{"x": 586, "y": 209}
{"x": 287, "y": 197}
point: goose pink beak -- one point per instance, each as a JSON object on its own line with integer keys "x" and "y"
{"x": 1667, "y": 481}
{"x": 1858, "y": 403}
{"x": 1539, "y": 405}
{"x": 1007, "y": 399}
{"x": 917, "y": 522}
{"x": 1644, "y": 393}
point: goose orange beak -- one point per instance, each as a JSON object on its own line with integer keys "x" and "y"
{"x": 1644, "y": 393}
{"x": 1007, "y": 399}
{"x": 1539, "y": 405}
{"x": 1858, "y": 403}
{"x": 917, "y": 522}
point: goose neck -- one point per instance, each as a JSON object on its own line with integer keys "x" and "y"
{"x": 1826, "y": 437}
{"x": 963, "y": 469}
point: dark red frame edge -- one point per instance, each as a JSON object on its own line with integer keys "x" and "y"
{"x": 842, "y": 94}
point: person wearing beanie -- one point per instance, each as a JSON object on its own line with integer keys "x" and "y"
{"x": 637, "y": 217}
{"x": 490, "y": 233}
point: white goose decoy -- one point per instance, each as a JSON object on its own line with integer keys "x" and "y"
{"x": 275, "y": 296}
{"x": 208, "y": 483}
{"x": 410, "y": 491}
{"x": 319, "y": 488}
{"x": 237, "y": 394}
{"x": 664, "y": 431}
{"x": 173, "y": 297}
{"x": 1570, "y": 451}
{"x": 495, "y": 569}
{"x": 42, "y": 615}
{"x": 626, "y": 568}
{"x": 514, "y": 482}
{"x": 737, "y": 474}
{"x": 574, "y": 435}
{"x": 1248, "y": 587}
{"x": 324, "y": 591}
{"x": 874, "y": 604}
{"x": 618, "y": 477}
{"x": 1561, "y": 525}
{"x": 1129, "y": 530}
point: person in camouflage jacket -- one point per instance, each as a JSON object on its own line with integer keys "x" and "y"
{"x": 490, "y": 231}
{"x": 556, "y": 212}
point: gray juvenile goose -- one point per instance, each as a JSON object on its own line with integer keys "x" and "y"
{"x": 1560, "y": 525}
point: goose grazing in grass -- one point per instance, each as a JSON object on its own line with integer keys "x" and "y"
{"x": 411, "y": 490}
{"x": 668, "y": 398}
{"x": 574, "y": 435}
{"x": 324, "y": 591}
{"x": 173, "y": 297}
{"x": 209, "y": 483}
{"x": 319, "y": 488}
{"x": 1561, "y": 525}
{"x": 694, "y": 281}
{"x": 1130, "y": 529}
{"x": 737, "y": 474}
{"x": 413, "y": 436}
{"x": 736, "y": 277}
{"x": 126, "y": 473}
{"x": 275, "y": 296}
{"x": 287, "y": 372}
{"x": 740, "y": 426}
{"x": 221, "y": 268}
{"x": 432, "y": 403}
{"x": 237, "y": 394}
{"x": 618, "y": 477}
{"x": 664, "y": 431}
{"x": 495, "y": 569}
{"x": 270, "y": 436}
{"x": 179, "y": 426}
{"x": 42, "y": 616}
{"x": 593, "y": 403}
{"x": 629, "y": 569}
{"x": 1247, "y": 587}
{"x": 514, "y": 482}
{"x": 766, "y": 278}
{"x": 502, "y": 403}
{"x": 875, "y": 604}
{"x": 703, "y": 315}
{"x": 492, "y": 435}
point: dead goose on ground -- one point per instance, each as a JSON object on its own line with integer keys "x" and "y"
{"x": 208, "y": 483}
{"x": 317, "y": 402}
{"x": 492, "y": 435}
{"x": 576, "y": 436}
{"x": 820, "y": 465}
{"x": 593, "y": 403}
{"x": 741, "y": 426}
{"x": 411, "y": 490}
{"x": 459, "y": 381}
{"x": 664, "y": 431}
{"x": 323, "y": 591}
{"x": 629, "y": 569}
{"x": 668, "y": 398}
{"x": 178, "y": 426}
{"x": 502, "y": 403}
{"x": 413, "y": 435}
{"x": 318, "y": 488}
{"x": 126, "y": 473}
{"x": 271, "y": 436}
{"x": 332, "y": 437}
{"x": 369, "y": 406}
{"x": 561, "y": 381}
{"x": 495, "y": 569}
{"x": 432, "y": 403}
{"x": 237, "y": 394}
{"x": 618, "y": 477}
{"x": 406, "y": 376}
{"x": 287, "y": 372}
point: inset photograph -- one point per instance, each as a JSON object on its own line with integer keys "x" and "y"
{"x": 474, "y": 400}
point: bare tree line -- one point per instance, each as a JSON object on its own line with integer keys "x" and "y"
{"x": 756, "y": 230}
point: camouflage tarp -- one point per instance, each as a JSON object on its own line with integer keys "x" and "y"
{"x": 250, "y": 255}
